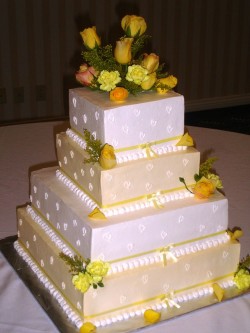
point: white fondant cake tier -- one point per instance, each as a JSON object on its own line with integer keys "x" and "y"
{"x": 129, "y": 234}
{"x": 144, "y": 118}
{"x": 127, "y": 181}
{"x": 134, "y": 289}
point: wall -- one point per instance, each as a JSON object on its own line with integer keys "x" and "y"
{"x": 205, "y": 43}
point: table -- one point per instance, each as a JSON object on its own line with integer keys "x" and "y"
{"x": 27, "y": 147}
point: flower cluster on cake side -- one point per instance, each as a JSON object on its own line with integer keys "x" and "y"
{"x": 125, "y": 68}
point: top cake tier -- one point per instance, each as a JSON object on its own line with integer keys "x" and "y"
{"x": 147, "y": 118}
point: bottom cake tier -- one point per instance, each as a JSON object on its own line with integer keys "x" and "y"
{"x": 162, "y": 286}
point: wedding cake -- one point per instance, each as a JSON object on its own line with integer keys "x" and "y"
{"x": 128, "y": 225}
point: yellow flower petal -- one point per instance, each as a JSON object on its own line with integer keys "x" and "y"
{"x": 186, "y": 140}
{"x": 218, "y": 291}
{"x": 87, "y": 328}
{"x": 152, "y": 316}
{"x": 96, "y": 214}
{"x": 236, "y": 234}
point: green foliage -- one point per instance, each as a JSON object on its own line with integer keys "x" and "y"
{"x": 205, "y": 168}
{"x": 182, "y": 180}
{"x": 138, "y": 44}
{"x": 130, "y": 86}
{"x": 245, "y": 263}
{"x": 102, "y": 58}
{"x": 76, "y": 263}
{"x": 93, "y": 148}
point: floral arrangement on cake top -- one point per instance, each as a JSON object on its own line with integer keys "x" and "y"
{"x": 124, "y": 69}
{"x": 206, "y": 181}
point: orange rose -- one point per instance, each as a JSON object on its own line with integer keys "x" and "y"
{"x": 203, "y": 188}
{"x": 118, "y": 94}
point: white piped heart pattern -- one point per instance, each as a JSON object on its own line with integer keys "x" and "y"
{"x": 85, "y": 118}
{"x": 164, "y": 234}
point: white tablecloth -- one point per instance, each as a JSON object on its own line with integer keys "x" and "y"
{"x": 27, "y": 147}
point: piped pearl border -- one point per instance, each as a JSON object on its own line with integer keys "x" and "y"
{"x": 162, "y": 305}
{"x": 123, "y": 157}
{"x": 49, "y": 232}
{"x": 67, "y": 309}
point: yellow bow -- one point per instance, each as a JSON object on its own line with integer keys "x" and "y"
{"x": 169, "y": 300}
{"x": 167, "y": 254}
{"x": 155, "y": 199}
{"x": 149, "y": 151}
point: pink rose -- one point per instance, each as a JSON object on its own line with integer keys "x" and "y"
{"x": 86, "y": 74}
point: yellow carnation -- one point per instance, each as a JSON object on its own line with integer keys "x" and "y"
{"x": 107, "y": 159}
{"x": 98, "y": 268}
{"x": 215, "y": 179}
{"x": 242, "y": 279}
{"x": 137, "y": 74}
{"x": 108, "y": 80}
{"x": 81, "y": 281}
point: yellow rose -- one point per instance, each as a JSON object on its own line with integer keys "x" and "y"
{"x": 87, "y": 328}
{"x": 107, "y": 159}
{"x": 165, "y": 84}
{"x": 204, "y": 188}
{"x": 108, "y": 80}
{"x": 137, "y": 74}
{"x": 81, "y": 282}
{"x": 118, "y": 94}
{"x": 152, "y": 316}
{"x": 133, "y": 25}
{"x": 150, "y": 62}
{"x": 90, "y": 38}
{"x": 98, "y": 268}
{"x": 122, "y": 51}
{"x": 148, "y": 84}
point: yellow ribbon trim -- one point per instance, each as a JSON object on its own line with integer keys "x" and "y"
{"x": 172, "y": 246}
{"x": 161, "y": 297}
{"x": 178, "y": 137}
{"x": 149, "y": 144}
{"x": 123, "y": 202}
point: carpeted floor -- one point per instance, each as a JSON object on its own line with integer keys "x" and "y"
{"x": 233, "y": 119}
